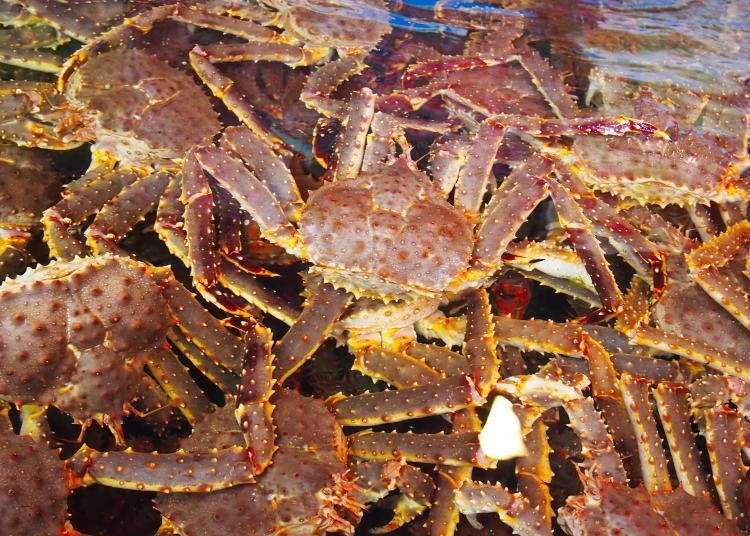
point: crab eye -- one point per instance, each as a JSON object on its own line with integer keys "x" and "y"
{"x": 501, "y": 437}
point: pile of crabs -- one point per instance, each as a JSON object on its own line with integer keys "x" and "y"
{"x": 320, "y": 274}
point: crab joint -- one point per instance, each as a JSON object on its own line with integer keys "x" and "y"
{"x": 501, "y": 437}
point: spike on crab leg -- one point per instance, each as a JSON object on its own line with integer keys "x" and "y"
{"x": 474, "y": 177}
{"x": 323, "y": 308}
{"x": 173, "y": 378}
{"x": 119, "y": 215}
{"x": 80, "y": 199}
{"x": 254, "y": 407}
{"x": 635, "y": 392}
{"x": 444, "y": 449}
{"x": 267, "y": 166}
{"x": 673, "y": 406}
{"x": 513, "y": 508}
{"x": 350, "y": 149}
{"x": 443, "y": 396}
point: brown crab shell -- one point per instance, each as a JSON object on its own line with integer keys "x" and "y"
{"x": 299, "y": 493}
{"x": 33, "y": 492}
{"x": 359, "y": 24}
{"x": 386, "y": 234}
{"x": 28, "y": 186}
{"x": 74, "y": 334}
{"x": 142, "y": 109}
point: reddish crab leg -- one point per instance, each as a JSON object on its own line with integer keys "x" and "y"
{"x": 447, "y": 157}
{"x": 225, "y": 380}
{"x": 445, "y": 449}
{"x": 323, "y": 82}
{"x": 198, "y": 201}
{"x": 674, "y": 411}
{"x": 350, "y": 149}
{"x": 119, "y": 215}
{"x": 578, "y": 228}
{"x": 267, "y": 166}
{"x": 443, "y": 396}
{"x": 174, "y": 379}
{"x": 474, "y": 177}
{"x": 398, "y": 370}
{"x": 323, "y": 308}
{"x": 80, "y": 199}
{"x": 534, "y": 472}
{"x": 513, "y": 508}
{"x": 439, "y": 358}
{"x": 508, "y": 208}
{"x": 635, "y": 392}
{"x": 722, "y": 431}
{"x": 480, "y": 347}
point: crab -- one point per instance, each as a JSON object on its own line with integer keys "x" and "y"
{"x": 94, "y": 325}
{"x": 29, "y": 185}
{"x": 314, "y": 486}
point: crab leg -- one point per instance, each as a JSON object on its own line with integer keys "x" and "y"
{"x": 479, "y": 343}
{"x": 267, "y": 166}
{"x": 674, "y": 411}
{"x": 381, "y": 143}
{"x": 36, "y": 60}
{"x": 635, "y": 392}
{"x": 224, "y": 89}
{"x": 447, "y": 158}
{"x": 253, "y": 196}
{"x": 548, "y": 82}
{"x": 80, "y": 199}
{"x": 443, "y": 517}
{"x": 198, "y": 201}
{"x": 350, "y": 148}
{"x": 721, "y": 429}
{"x": 439, "y": 358}
{"x": 443, "y": 396}
{"x": 121, "y": 213}
{"x": 254, "y": 407}
{"x": 508, "y": 208}
{"x": 636, "y": 249}
{"x": 226, "y": 381}
{"x": 323, "y": 308}
{"x": 474, "y": 177}
{"x": 173, "y": 378}
{"x": 324, "y": 81}
{"x": 534, "y": 472}
{"x": 578, "y": 228}
{"x": 513, "y": 508}
{"x": 444, "y": 449}
{"x": 203, "y": 329}
{"x": 398, "y": 370}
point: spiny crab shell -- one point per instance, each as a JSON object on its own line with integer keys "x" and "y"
{"x": 386, "y": 234}
{"x": 33, "y": 498}
{"x": 73, "y": 334}
{"x": 304, "y": 490}
{"x": 142, "y": 109}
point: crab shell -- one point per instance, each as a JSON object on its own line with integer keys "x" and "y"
{"x": 74, "y": 334}
{"x": 34, "y": 493}
{"x": 302, "y": 492}
{"x": 333, "y": 23}
{"x": 386, "y": 234}
{"x": 142, "y": 109}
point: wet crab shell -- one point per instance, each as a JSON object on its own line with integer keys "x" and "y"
{"x": 298, "y": 494}
{"x": 33, "y": 493}
{"x": 386, "y": 234}
{"x": 334, "y": 23}
{"x": 142, "y": 108}
{"x": 65, "y": 329}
